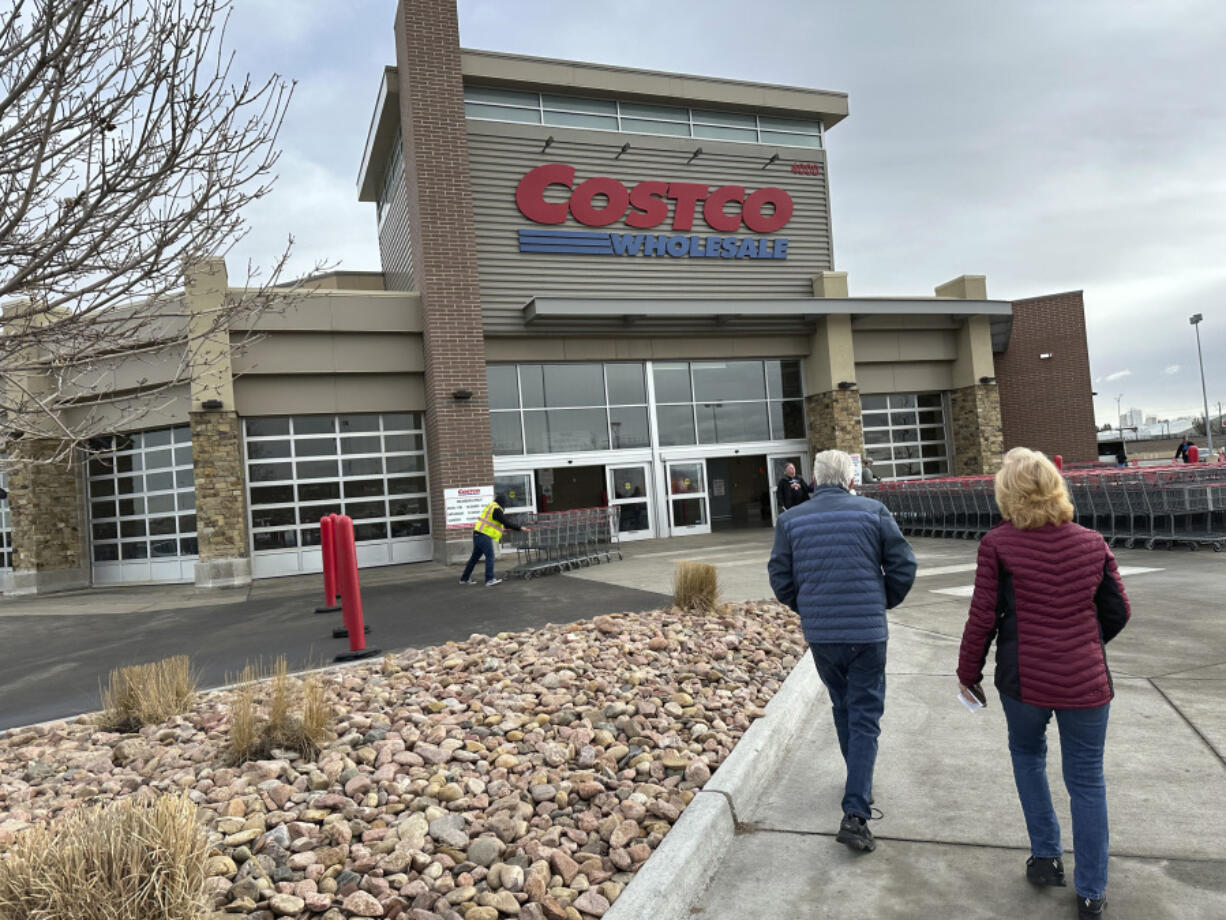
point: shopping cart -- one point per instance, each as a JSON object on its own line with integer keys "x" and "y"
{"x": 558, "y": 541}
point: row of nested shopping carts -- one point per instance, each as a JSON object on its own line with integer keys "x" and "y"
{"x": 556, "y": 541}
{"x": 1170, "y": 505}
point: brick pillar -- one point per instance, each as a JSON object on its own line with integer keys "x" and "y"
{"x": 833, "y": 420}
{"x": 978, "y": 436}
{"x": 221, "y": 506}
{"x": 46, "y": 506}
{"x": 438, "y": 187}
{"x": 217, "y": 449}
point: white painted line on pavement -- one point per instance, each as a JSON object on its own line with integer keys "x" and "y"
{"x": 947, "y": 569}
{"x": 969, "y": 590}
{"x": 960, "y": 591}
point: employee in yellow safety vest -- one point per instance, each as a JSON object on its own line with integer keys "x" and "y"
{"x": 488, "y": 530}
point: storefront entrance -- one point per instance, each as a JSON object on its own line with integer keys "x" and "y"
{"x": 739, "y": 492}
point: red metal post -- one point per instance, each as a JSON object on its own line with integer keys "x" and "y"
{"x": 1059, "y": 461}
{"x": 327, "y": 545}
{"x": 351, "y": 591}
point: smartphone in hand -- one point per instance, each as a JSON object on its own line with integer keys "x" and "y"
{"x": 973, "y": 698}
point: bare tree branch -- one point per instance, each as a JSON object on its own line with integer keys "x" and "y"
{"x": 127, "y": 151}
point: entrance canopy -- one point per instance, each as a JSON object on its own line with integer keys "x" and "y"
{"x": 682, "y": 315}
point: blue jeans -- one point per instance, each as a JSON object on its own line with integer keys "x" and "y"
{"x": 854, "y": 676}
{"x": 482, "y": 546}
{"x": 1083, "y": 733}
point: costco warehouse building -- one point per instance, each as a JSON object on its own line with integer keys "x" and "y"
{"x": 599, "y": 286}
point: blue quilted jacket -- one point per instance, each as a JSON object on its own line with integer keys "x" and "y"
{"x": 840, "y": 561}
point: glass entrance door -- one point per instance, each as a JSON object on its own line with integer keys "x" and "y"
{"x": 777, "y": 463}
{"x": 688, "y": 511}
{"x": 628, "y": 491}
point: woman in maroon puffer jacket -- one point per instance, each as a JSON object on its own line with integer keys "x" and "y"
{"x": 1050, "y": 594}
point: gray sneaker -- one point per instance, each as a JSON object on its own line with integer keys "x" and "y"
{"x": 492, "y": 582}
{"x": 854, "y": 833}
{"x": 468, "y": 581}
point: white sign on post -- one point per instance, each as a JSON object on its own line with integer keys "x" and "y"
{"x": 463, "y": 505}
{"x": 857, "y": 469}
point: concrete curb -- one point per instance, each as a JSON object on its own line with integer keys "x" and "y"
{"x": 680, "y": 869}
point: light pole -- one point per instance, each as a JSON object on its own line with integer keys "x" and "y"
{"x": 1195, "y": 319}
{"x": 1119, "y": 418}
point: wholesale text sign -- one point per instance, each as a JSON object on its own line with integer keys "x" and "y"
{"x": 659, "y": 216}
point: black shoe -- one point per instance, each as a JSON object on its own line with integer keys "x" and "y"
{"x": 1046, "y": 872}
{"x": 1090, "y": 908}
{"x": 854, "y": 832}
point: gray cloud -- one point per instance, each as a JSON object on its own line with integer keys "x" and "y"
{"x": 1051, "y": 146}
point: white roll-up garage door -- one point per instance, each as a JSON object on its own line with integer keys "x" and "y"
{"x": 371, "y": 467}
{"x": 142, "y": 507}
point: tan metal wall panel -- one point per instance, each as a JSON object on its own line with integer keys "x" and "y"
{"x": 905, "y": 377}
{"x": 136, "y": 413}
{"x": 342, "y": 311}
{"x": 502, "y": 153}
{"x": 562, "y": 348}
{"x": 917, "y": 345}
{"x": 324, "y": 353}
{"x": 310, "y": 395}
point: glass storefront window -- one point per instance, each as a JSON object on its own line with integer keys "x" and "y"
{"x": 726, "y": 423}
{"x": 672, "y": 382}
{"x": 720, "y": 381}
{"x": 676, "y": 425}
{"x": 627, "y": 386}
{"x": 503, "y": 386}
{"x": 566, "y": 430}
{"x": 629, "y": 428}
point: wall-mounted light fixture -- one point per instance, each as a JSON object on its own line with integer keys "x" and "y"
{"x": 987, "y": 381}
{"x": 694, "y": 156}
{"x": 211, "y": 404}
{"x": 774, "y": 157}
{"x": 461, "y": 394}
{"x": 625, "y": 147}
{"x": 548, "y": 143}
{"x": 1044, "y": 356}
{"x": 847, "y": 385}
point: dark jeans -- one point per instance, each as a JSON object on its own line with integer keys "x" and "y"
{"x": 482, "y": 546}
{"x": 854, "y": 676}
{"x": 1083, "y": 733}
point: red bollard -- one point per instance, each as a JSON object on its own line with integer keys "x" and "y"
{"x": 327, "y": 544}
{"x": 351, "y": 592}
{"x": 1059, "y": 461}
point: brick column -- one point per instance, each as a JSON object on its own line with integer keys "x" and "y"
{"x": 217, "y": 449}
{"x": 438, "y": 188}
{"x": 46, "y": 505}
{"x": 978, "y": 436}
{"x": 833, "y": 420}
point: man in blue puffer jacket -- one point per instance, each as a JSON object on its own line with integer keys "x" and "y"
{"x": 840, "y": 561}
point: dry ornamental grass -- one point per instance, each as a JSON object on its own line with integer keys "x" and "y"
{"x": 147, "y": 694}
{"x": 115, "y": 862}
{"x": 695, "y": 587}
{"x": 297, "y": 717}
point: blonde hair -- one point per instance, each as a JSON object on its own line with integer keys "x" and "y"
{"x": 1030, "y": 490}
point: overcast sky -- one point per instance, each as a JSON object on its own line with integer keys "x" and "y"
{"x": 1050, "y": 145}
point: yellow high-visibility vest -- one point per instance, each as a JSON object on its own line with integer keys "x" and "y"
{"x": 487, "y": 525}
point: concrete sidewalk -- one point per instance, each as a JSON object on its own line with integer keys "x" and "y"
{"x": 952, "y": 842}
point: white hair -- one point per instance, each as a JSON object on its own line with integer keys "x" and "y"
{"x": 832, "y": 468}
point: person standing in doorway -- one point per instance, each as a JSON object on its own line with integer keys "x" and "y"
{"x": 792, "y": 490}
{"x": 840, "y": 561}
{"x": 1181, "y": 452}
{"x": 487, "y": 532}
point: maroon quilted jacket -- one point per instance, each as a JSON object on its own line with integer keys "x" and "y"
{"x": 1051, "y": 597}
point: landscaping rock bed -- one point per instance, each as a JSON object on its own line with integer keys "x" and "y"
{"x": 524, "y": 774}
